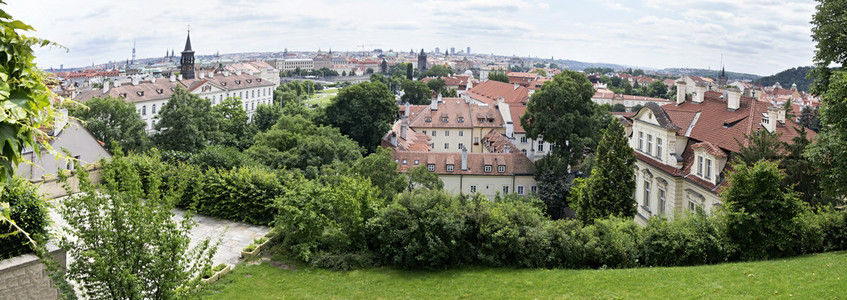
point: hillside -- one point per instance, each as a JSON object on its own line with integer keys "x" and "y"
{"x": 705, "y": 73}
{"x": 786, "y": 78}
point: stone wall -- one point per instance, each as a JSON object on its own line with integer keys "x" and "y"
{"x": 51, "y": 188}
{"x": 24, "y": 277}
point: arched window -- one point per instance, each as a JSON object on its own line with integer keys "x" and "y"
{"x": 154, "y": 108}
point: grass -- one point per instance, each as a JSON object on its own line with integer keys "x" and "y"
{"x": 820, "y": 276}
{"x": 322, "y": 98}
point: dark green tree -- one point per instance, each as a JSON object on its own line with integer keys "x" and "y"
{"x": 185, "y": 123}
{"x": 364, "y": 112}
{"x": 562, "y": 113}
{"x": 436, "y": 85}
{"x": 657, "y": 89}
{"x": 382, "y": 171}
{"x": 409, "y": 72}
{"x": 554, "y": 184}
{"x": 761, "y": 211}
{"x": 608, "y": 191}
{"x": 235, "y": 130}
{"x": 421, "y": 177}
{"x": 762, "y": 145}
{"x": 416, "y": 92}
{"x": 619, "y": 108}
{"x": 266, "y": 116}
{"x": 437, "y": 71}
{"x": 498, "y": 75}
{"x": 809, "y": 118}
{"x": 114, "y": 122}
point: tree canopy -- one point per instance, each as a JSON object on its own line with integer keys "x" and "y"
{"x": 114, "y": 122}
{"x": 416, "y": 92}
{"x": 364, "y": 112}
{"x": 498, "y": 75}
{"x": 185, "y": 123}
{"x": 235, "y": 130}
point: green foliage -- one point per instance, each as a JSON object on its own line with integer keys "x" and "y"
{"x": 809, "y": 118}
{"x": 416, "y": 92}
{"x": 423, "y": 229}
{"x": 539, "y": 72}
{"x": 114, "y": 122}
{"x": 382, "y": 171}
{"x": 185, "y": 123}
{"x": 511, "y": 235}
{"x": 693, "y": 239}
{"x": 242, "y": 194}
{"x": 498, "y": 75}
{"x": 266, "y": 116}
{"x": 763, "y": 145}
{"x": 598, "y": 70}
{"x": 436, "y": 85}
{"x": 554, "y": 184}
{"x": 794, "y": 75}
{"x": 315, "y": 218}
{"x": 134, "y": 249}
{"x": 235, "y": 130}
{"x": 563, "y": 113}
{"x": 24, "y": 99}
{"x": 608, "y": 191}
{"x": 436, "y": 70}
{"x": 421, "y": 177}
{"x": 221, "y": 157}
{"x": 829, "y": 22}
{"x": 761, "y": 211}
{"x": 618, "y": 108}
{"x": 297, "y": 143}
{"x": 364, "y": 112}
{"x": 28, "y": 211}
{"x": 656, "y": 89}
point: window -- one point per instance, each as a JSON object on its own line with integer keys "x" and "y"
{"x": 213, "y": 99}
{"x": 661, "y": 201}
{"x": 404, "y": 161}
{"x": 523, "y": 140}
{"x": 700, "y": 165}
{"x": 708, "y": 169}
{"x": 144, "y": 110}
{"x": 433, "y": 133}
{"x": 444, "y": 119}
{"x": 487, "y": 168}
{"x": 430, "y": 167}
{"x": 473, "y": 189}
{"x": 154, "y": 109}
{"x": 533, "y": 188}
{"x": 523, "y": 151}
{"x": 646, "y": 200}
{"x": 449, "y": 168}
{"x": 501, "y": 169}
{"x": 691, "y": 206}
{"x": 505, "y": 189}
{"x": 428, "y": 119}
{"x": 461, "y": 146}
{"x": 447, "y": 133}
{"x": 417, "y": 162}
{"x": 541, "y": 146}
{"x": 246, "y": 106}
{"x": 240, "y": 95}
{"x": 461, "y": 120}
{"x": 446, "y": 145}
{"x": 461, "y": 133}
{"x": 659, "y": 148}
{"x": 253, "y": 94}
{"x": 649, "y": 143}
{"x": 519, "y": 189}
{"x": 640, "y": 140}
{"x": 476, "y": 141}
{"x": 424, "y": 132}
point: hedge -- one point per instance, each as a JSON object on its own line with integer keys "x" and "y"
{"x": 28, "y": 211}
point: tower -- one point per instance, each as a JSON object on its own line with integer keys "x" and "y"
{"x": 133, "y": 52}
{"x": 422, "y": 61}
{"x": 383, "y": 67}
{"x": 722, "y": 78}
{"x": 186, "y": 64}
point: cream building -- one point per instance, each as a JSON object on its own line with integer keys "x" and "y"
{"x": 683, "y": 148}
{"x": 454, "y": 123}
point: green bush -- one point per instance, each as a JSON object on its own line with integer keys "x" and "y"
{"x": 611, "y": 243}
{"x": 512, "y": 235}
{"x": 243, "y": 194}
{"x": 28, "y": 211}
{"x": 221, "y": 157}
{"x": 689, "y": 240}
{"x": 343, "y": 261}
{"x": 315, "y": 217}
{"x": 422, "y": 229}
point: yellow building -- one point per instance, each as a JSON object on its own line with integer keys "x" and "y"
{"x": 453, "y": 123}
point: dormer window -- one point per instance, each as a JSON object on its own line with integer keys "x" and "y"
{"x": 404, "y": 161}
{"x": 487, "y": 168}
{"x": 223, "y": 83}
{"x": 461, "y": 120}
{"x": 160, "y": 91}
{"x": 258, "y": 79}
{"x": 238, "y": 82}
{"x": 501, "y": 169}
{"x": 140, "y": 93}
{"x": 700, "y": 166}
{"x": 122, "y": 95}
{"x": 659, "y": 148}
{"x": 417, "y": 162}
{"x": 430, "y": 167}
{"x": 444, "y": 119}
{"x": 640, "y": 140}
{"x": 428, "y": 120}
{"x": 649, "y": 143}
{"x": 449, "y": 168}
{"x": 249, "y": 80}
{"x": 708, "y": 174}
{"x": 172, "y": 90}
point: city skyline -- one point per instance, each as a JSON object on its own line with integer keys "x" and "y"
{"x": 759, "y": 37}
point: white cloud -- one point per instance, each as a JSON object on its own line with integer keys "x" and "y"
{"x": 615, "y": 5}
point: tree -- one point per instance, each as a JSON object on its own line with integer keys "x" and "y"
{"x": 369, "y": 71}
{"x": 761, "y": 211}
{"x": 627, "y": 88}
{"x": 562, "y": 113}
{"x": 235, "y": 130}
{"x": 637, "y": 107}
{"x": 436, "y": 85}
{"x": 416, "y": 92}
{"x": 114, "y": 122}
{"x": 657, "y": 89}
{"x": 382, "y": 171}
{"x": 409, "y": 72}
{"x": 297, "y": 143}
{"x": 809, "y": 118}
{"x": 608, "y": 191}
{"x": 619, "y": 108}
{"x": 436, "y": 71}
{"x": 266, "y": 116}
{"x": 554, "y": 184}
{"x": 498, "y": 75}
{"x": 762, "y": 145}
{"x": 134, "y": 249}
{"x": 421, "y": 177}
{"x": 185, "y": 123}
{"x": 553, "y": 66}
{"x": 828, "y": 151}
{"x": 364, "y": 112}
{"x": 540, "y": 72}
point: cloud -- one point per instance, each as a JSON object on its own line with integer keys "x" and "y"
{"x": 615, "y": 5}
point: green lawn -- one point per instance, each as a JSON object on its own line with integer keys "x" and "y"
{"x": 322, "y": 98}
{"x": 821, "y": 276}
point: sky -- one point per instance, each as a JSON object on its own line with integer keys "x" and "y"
{"x": 753, "y": 36}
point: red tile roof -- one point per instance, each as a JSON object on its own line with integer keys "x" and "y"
{"x": 489, "y": 91}
{"x": 515, "y": 163}
{"x": 517, "y": 110}
{"x": 496, "y": 142}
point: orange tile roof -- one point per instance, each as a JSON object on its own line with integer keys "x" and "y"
{"x": 515, "y": 163}
{"x": 491, "y": 90}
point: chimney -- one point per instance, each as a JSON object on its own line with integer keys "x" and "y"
{"x": 780, "y": 114}
{"x": 152, "y": 79}
{"x": 202, "y": 75}
{"x": 134, "y": 80}
{"x": 403, "y": 128}
{"x": 516, "y": 87}
{"x": 105, "y": 86}
{"x": 250, "y": 72}
{"x": 408, "y": 112}
{"x": 507, "y": 149}
{"x": 238, "y": 73}
{"x": 211, "y": 74}
{"x": 173, "y": 78}
{"x": 769, "y": 123}
{"x": 179, "y": 77}
{"x": 117, "y": 83}
{"x": 464, "y": 158}
{"x": 392, "y": 138}
{"x": 700, "y": 92}
{"x": 680, "y": 92}
{"x": 756, "y": 92}
{"x": 226, "y": 73}
{"x": 433, "y": 105}
{"x": 733, "y": 99}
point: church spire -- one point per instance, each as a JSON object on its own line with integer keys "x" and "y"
{"x": 188, "y": 42}
{"x": 187, "y": 61}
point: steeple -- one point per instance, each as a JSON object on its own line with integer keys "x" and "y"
{"x": 722, "y": 78}
{"x": 186, "y": 67}
{"x": 133, "y": 51}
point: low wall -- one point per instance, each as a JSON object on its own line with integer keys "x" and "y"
{"x": 24, "y": 277}
{"x": 52, "y": 188}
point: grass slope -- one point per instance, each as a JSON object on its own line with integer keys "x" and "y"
{"x": 821, "y": 276}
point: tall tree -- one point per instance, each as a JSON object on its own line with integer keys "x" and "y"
{"x": 364, "y": 112}
{"x": 297, "y": 143}
{"x": 809, "y": 118}
{"x": 382, "y": 171}
{"x": 113, "y": 121}
{"x": 561, "y": 112}
{"x": 421, "y": 177}
{"x": 437, "y": 85}
{"x": 762, "y": 145}
{"x": 185, "y": 123}
{"x": 266, "y": 116}
{"x": 235, "y": 129}
{"x": 828, "y": 151}
{"x": 608, "y": 191}
{"x": 554, "y": 184}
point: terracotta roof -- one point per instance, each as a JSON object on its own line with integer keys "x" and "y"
{"x": 455, "y": 113}
{"x": 517, "y": 110}
{"x": 710, "y": 148}
{"x": 515, "y": 163}
{"x": 414, "y": 141}
{"x": 496, "y": 142}
{"x": 662, "y": 117}
{"x": 489, "y": 91}
{"x": 163, "y": 88}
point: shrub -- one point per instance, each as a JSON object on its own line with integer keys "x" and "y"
{"x": 314, "y": 217}
{"x": 689, "y": 240}
{"x": 243, "y": 194}
{"x": 28, "y": 211}
{"x": 343, "y": 261}
{"x": 611, "y": 243}
{"x": 221, "y": 157}
{"x": 421, "y": 229}
{"x": 512, "y": 235}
